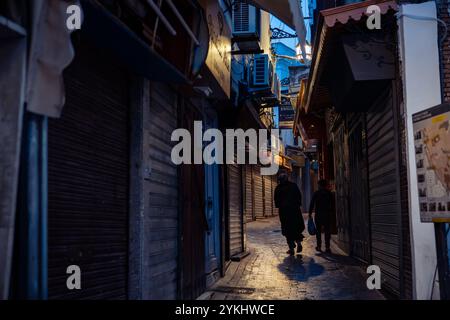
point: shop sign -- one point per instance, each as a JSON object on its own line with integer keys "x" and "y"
{"x": 218, "y": 60}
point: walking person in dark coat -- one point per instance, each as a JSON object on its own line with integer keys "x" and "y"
{"x": 322, "y": 203}
{"x": 288, "y": 200}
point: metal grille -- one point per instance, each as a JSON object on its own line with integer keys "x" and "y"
{"x": 241, "y": 17}
{"x": 260, "y": 72}
{"x": 267, "y": 196}
{"x": 88, "y": 181}
{"x": 274, "y": 185}
{"x": 249, "y": 214}
{"x": 258, "y": 192}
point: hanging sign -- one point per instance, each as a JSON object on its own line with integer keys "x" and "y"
{"x": 432, "y": 149}
{"x": 286, "y": 115}
{"x": 218, "y": 60}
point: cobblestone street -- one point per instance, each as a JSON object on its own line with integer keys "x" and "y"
{"x": 269, "y": 273}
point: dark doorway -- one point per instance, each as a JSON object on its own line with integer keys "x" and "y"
{"x": 359, "y": 203}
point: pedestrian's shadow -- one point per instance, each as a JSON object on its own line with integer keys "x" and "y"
{"x": 300, "y": 268}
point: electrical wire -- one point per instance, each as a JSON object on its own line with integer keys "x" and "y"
{"x": 423, "y": 18}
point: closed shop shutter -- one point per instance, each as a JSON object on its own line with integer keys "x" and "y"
{"x": 274, "y": 185}
{"x": 267, "y": 196}
{"x": 249, "y": 193}
{"x": 161, "y": 190}
{"x": 258, "y": 192}
{"x": 235, "y": 210}
{"x": 385, "y": 212}
{"x": 88, "y": 180}
{"x": 194, "y": 223}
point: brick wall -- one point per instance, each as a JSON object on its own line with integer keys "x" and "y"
{"x": 443, "y": 14}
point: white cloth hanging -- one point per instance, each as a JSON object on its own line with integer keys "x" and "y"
{"x": 50, "y": 52}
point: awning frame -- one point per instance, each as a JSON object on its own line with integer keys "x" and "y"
{"x": 329, "y": 21}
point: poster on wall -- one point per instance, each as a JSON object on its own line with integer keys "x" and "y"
{"x": 432, "y": 149}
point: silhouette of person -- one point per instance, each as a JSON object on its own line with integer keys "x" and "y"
{"x": 322, "y": 203}
{"x": 288, "y": 200}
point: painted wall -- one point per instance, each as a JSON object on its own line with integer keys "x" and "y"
{"x": 421, "y": 86}
{"x": 283, "y": 64}
{"x": 287, "y": 136}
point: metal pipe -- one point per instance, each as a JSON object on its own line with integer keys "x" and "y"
{"x": 44, "y": 207}
{"x": 162, "y": 17}
{"x": 32, "y": 208}
{"x": 183, "y": 22}
{"x": 155, "y": 29}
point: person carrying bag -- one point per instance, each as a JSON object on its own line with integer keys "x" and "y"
{"x": 321, "y": 204}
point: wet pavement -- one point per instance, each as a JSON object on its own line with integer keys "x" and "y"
{"x": 269, "y": 273}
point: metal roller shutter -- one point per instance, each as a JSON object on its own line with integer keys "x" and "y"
{"x": 274, "y": 185}
{"x": 249, "y": 213}
{"x": 194, "y": 224}
{"x": 267, "y": 196}
{"x": 258, "y": 192}
{"x": 235, "y": 209}
{"x": 385, "y": 210}
{"x": 88, "y": 181}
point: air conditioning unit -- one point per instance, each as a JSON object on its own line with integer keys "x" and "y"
{"x": 246, "y": 27}
{"x": 261, "y": 71}
{"x": 246, "y": 20}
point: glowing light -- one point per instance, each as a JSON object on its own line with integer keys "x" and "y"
{"x": 308, "y": 50}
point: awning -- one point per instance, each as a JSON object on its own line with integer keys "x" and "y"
{"x": 332, "y": 22}
{"x": 290, "y": 13}
{"x": 278, "y": 8}
{"x": 283, "y": 161}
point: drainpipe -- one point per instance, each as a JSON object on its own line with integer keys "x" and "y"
{"x": 32, "y": 217}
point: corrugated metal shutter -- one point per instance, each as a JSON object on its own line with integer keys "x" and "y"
{"x": 267, "y": 196}
{"x": 274, "y": 185}
{"x": 385, "y": 212}
{"x": 161, "y": 189}
{"x": 88, "y": 181}
{"x": 235, "y": 209}
{"x": 249, "y": 193}
{"x": 194, "y": 224}
{"x": 258, "y": 192}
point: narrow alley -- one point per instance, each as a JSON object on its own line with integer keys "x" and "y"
{"x": 150, "y": 149}
{"x": 268, "y": 273}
